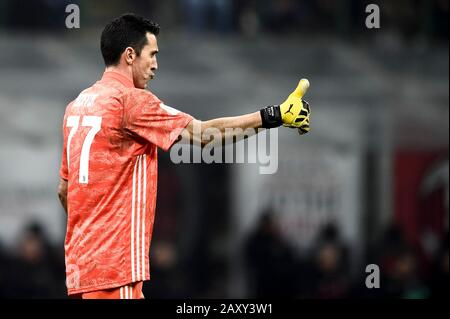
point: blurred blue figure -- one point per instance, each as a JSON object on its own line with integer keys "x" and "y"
{"x": 200, "y": 13}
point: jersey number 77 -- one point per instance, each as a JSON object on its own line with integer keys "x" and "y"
{"x": 73, "y": 122}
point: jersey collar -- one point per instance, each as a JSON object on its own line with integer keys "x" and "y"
{"x": 126, "y": 81}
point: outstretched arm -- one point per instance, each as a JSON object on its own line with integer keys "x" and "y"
{"x": 197, "y": 131}
{"x": 293, "y": 113}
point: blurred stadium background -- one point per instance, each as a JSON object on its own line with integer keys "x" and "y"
{"x": 368, "y": 185}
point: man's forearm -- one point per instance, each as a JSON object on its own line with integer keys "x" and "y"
{"x": 201, "y": 132}
{"x": 243, "y": 122}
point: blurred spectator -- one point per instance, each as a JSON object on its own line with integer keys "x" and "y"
{"x": 271, "y": 262}
{"x": 402, "y": 278}
{"x": 392, "y": 242}
{"x": 34, "y": 271}
{"x": 399, "y": 267}
{"x": 328, "y": 275}
{"x": 166, "y": 280}
{"x": 279, "y": 16}
{"x": 205, "y": 15}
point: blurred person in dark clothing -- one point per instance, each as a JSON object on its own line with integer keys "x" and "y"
{"x": 32, "y": 271}
{"x": 167, "y": 282}
{"x": 203, "y": 15}
{"x": 402, "y": 278}
{"x": 273, "y": 16}
{"x": 328, "y": 275}
{"x": 392, "y": 242}
{"x": 398, "y": 266}
{"x": 271, "y": 262}
{"x": 281, "y": 15}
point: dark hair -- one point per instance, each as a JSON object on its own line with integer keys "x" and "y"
{"x": 128, "y": 30}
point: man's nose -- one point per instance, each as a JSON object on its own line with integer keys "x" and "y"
{"x": 155, "y": 65}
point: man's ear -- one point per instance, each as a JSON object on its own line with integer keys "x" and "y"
{"x": 130, "y": 55}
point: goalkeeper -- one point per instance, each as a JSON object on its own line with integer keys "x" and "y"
{"x": 111, "y": 134}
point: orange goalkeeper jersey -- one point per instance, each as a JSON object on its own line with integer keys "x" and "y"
{"x": 111, "y": 134}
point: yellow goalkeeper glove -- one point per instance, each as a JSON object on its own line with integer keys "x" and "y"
{"x": 293, "y": 113}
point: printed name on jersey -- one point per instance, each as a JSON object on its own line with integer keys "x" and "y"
{"x": 85, "y": 99}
